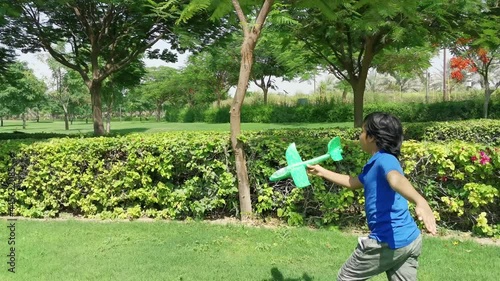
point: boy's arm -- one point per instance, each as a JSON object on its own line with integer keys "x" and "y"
{"x": 402, "y": 185}
{"x": 340, "y": 179}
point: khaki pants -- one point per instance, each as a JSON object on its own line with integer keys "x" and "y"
{"x": 372, "y": 258}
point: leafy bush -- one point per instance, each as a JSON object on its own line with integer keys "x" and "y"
{"x": 166, "y": 176}
{"x": 177, "y": 175}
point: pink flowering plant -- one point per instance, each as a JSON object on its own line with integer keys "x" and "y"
{"x": 461, "y": 179}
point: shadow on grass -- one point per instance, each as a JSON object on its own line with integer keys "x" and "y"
{"x": 278, "y": 276}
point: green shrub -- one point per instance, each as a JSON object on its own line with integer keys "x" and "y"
{"x": 217, "y": 115}
{"x": 178, "y": 175}
{"x": 334, "y": 111}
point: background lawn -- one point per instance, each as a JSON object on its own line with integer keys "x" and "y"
{"x": 139, "y": 250}
{"x": 125, "y": 127}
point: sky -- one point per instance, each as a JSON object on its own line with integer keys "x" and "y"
{"x": 42, "y": 71}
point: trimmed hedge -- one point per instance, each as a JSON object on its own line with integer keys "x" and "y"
{"x": 38, "y": 136}
{"x": 338, "y": 112}
{"x": 485, "y": 131}
{"x": 179, "y": 175}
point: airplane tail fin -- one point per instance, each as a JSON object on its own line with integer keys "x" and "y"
{"x": 335, "y": 149}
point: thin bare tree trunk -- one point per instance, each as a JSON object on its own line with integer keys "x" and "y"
{"x": 95, "y": 96}
{"x": 158, "y": 111}
{"x": 218, "y": 92}
{"x": 235, "y": 119}
{"x": 108, "y": 122}
{"x": 66, "y": 118}
{"x": 265, "y": 91}
{"x": 251, "y": 35}
{"x": 359, "y": 93}
{"x": 487, "y": 97}
{"x": 24, "y": 120}
{"x": 359, "y": 84}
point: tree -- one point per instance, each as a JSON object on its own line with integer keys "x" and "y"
{"x": 274, "y": 59}
{"x": 67, "y": 89}
{"x": 160, "y": 84}
{"x": 478, "y": 49}
{"x": 476, "y": 60}
{"x": 346, "y": 36}
{"x": 7, "y": 55}
{"x": 258, "y": 11}
{"x": 102, "y": 37}
{"x": 22, "y": 91}
{"x": 212, "y": 70}
{"x": 251, "y": 33}
{"x": 403, "y": 64}
{"x": 117, "y": 83}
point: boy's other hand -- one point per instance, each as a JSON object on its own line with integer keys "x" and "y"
{"x": 425, "y": 214}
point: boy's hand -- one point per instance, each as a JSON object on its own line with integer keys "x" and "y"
{"x": 316, "y": 170}
{"x": 425, "y": 214}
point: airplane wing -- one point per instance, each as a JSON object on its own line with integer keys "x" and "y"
{"x": 299, "y": 174}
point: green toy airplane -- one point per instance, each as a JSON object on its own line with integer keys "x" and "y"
{"x": 297, "y": 168}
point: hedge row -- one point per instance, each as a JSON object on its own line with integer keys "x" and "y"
{"x": 484, "y": 131}
{"x": 179, "y": 175}
{"x": 336, "y": 112}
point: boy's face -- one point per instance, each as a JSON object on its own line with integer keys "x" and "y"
{"x": 368, "y": 143}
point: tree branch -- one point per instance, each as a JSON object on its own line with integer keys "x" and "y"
{"x": 33, "y": 17}
{"x": 241, "y": 15}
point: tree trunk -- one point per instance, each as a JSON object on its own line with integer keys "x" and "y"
{"x": 109, "y": 114}
{"x": 219, "y": 96}
{"x": 1, "y": 121}
{"x": 487, "y": 97}
{"x": 158, "y": 111}
{"x": 235, "y": 119}
{"x": 359, "y": 92}
{"x": 95, "y": 96}
{"x": 344, "y": 95}
{"x": 265, "y": 90}
{"x": 251, "y": 35}
{"x": 264, "y": 86}
{"x": 66, "y": 118}
{"x": 108, "y": 122}
{"x": 487, "y": 93}
{"x": 358, "y": 84}
{"x": 24, "y": 120}
{"x": 66, "y": 121}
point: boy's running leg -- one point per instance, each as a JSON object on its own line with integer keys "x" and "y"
{"x": 372, "y": 258}
{"x": 407, "y": 269}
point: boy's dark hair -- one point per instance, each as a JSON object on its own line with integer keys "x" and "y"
{"x": 387, "y": 131}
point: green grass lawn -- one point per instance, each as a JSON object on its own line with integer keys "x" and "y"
{"x": 84, "y": 250}
{"x": 125, "y": 127}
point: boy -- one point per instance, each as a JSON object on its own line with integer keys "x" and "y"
{"x": 394, "y": 243}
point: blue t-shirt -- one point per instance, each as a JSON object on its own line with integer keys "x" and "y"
{"x": 387, "y": 214}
